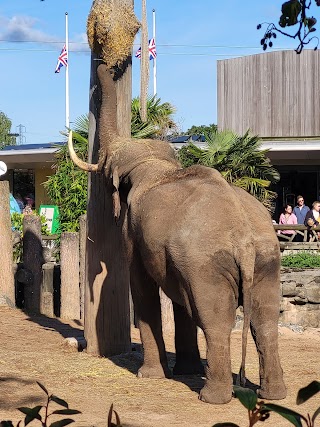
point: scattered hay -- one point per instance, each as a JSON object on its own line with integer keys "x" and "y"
{"x": 111, "y": 31}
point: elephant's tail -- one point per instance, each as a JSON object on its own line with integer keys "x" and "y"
{"x": 247, "y": 274}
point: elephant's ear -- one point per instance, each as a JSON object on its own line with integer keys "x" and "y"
{"x": 115, "y": 194}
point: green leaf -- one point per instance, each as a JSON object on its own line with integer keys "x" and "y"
{"x": 31, "y": 414}
{"x": 247, "y": 397}
{"x": 292, "y": 416}
{"x": 306, "y": 392}
{"x": 43, "y": 388}
{"x": 66, "y": 411}
{"x": 314, "y": 416}
{"x": 62, "y": 423}
{"x": 29, "y": 411}
{"x": 225, "y": 425}
{"x": 59, "y": 401}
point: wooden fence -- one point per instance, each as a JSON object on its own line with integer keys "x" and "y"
{"x": 302, "y": 238}
{"x": 62, "y": 294}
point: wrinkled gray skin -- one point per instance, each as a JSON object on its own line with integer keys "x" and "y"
{"x": 207, "y": 244}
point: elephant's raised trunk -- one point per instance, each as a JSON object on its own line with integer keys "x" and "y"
{"x": 107, "y": 123}
{"x": 108, "y": 130}
{"x": 88, "y": 167}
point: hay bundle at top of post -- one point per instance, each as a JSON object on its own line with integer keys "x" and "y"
{"x": 111, "y": 30}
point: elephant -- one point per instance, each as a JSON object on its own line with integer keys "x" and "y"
{"x": 209, "y": 246}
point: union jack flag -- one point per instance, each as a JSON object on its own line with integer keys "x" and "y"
{"x": 152, "y": 50}
{"x": 62, "y": 60}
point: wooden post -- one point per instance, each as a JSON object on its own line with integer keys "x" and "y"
{"x": 32, "y": 261}
{"x": 107, "y": 314}
{"x": 83, "y": 238}
{"x": 7, "y": 293}
{"x": 70, "y": 289}
{"x": 46, "y": 292}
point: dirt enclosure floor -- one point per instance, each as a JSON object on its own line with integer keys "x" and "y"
{"x": 33, "y": 349}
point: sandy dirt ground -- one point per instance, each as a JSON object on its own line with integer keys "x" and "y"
{"x": 32, "y": 349}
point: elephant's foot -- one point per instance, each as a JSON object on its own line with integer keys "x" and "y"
{"x": 219, "y": 394}
{"x": 276, "y": 391}
{"x": 188, "y": 366}
{"x": 154, "y": 372}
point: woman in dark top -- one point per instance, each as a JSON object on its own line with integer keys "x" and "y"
{"x": 312, "y": 219}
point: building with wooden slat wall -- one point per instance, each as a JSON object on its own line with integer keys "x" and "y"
{"x": 275, "y": 94}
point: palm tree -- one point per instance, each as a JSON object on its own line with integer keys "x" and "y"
{"x": 160, "y": 121}
{"x": 239, "y": 159}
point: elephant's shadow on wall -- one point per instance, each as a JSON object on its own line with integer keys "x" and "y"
{"x": 133, "y": 361}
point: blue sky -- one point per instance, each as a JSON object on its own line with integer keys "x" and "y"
{"x": 191, "y": 37}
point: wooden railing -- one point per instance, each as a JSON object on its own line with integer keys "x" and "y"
{"x": 309, "y": 240}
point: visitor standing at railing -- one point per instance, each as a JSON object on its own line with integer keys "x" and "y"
{"x": 300, "y": 210}
{"x": 287, "y": 217}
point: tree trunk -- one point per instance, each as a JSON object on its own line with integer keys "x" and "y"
{"x": 7, "y": 294}
{"x": 107, "y": 320}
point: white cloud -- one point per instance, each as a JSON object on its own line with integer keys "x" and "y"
{"x": 23, "y": 29}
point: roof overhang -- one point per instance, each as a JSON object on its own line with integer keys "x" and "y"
{"x": 28, "y": 159}
{"x": 293, "y": 152}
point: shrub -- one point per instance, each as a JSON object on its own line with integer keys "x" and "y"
{"x": 301, "y": 260}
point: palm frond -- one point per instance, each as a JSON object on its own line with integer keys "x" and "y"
{"x": 241, "y": 162}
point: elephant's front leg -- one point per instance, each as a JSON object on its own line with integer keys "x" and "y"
{"x": 145, "y": 294}
{"x": 264, "y": 327}
{"x": 187, "y": 353}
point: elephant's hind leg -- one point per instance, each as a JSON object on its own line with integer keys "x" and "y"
{"x": 216, "y": 306}
{"x": 187, "y": 353}
{"x": 264, "y": 328}
{"x": 145, "y": 294}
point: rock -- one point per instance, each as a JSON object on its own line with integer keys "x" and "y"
{"x": 75, "y": 343}
{"x": 289, "y": 288}
{"x": 313, "y": 293}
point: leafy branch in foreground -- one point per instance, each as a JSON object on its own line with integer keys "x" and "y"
{"x": 293, "y": 13}
{"x": 258, "y": 410}
{"x": 32, "y": 414}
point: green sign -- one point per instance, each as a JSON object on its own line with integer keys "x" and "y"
{"x": 51, "y": 213}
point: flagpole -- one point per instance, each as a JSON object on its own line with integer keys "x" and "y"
{"x": 67, "y": 76}
{"x": 154, "y": 59}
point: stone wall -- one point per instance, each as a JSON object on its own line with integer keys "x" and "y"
{"x": 300, "y": 297}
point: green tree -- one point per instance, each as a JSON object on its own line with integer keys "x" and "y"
{"x": 239, "y": 159}
{"x": 5, "y": 126}
{"x": 201, "y": 130}
{"x": 295, "y": 14}
{"x": 68, "y": 186}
